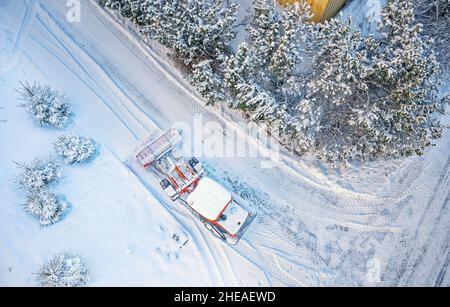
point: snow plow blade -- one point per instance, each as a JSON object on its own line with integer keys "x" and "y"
{"x": 154, "y": 148}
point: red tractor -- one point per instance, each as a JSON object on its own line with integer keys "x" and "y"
{"x": 186, "y": 181}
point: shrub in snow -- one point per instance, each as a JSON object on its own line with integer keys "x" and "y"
{"x": 63, "y": 270}
{"x": 74, "y": 149}
{"x": 46, "y": 205}
{"x": 38, "y": 174}
{"x": 45, "y": 105}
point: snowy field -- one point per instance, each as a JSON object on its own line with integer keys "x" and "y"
{"x": 382, "y": 224}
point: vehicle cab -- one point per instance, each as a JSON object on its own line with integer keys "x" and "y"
{"x": 216, "y": 204}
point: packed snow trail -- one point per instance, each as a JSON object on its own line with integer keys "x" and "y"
{"x": 308, "y": 203}
{"x": 131, "y": 121}
{"x": 104, "y": 185}
{"x": 306, "y": 233}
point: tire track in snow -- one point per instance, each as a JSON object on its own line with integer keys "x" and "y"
{"x": 196, "y": 242}
{"x": 319, "y": 202}
{"x": 153, "y": 193}
{"x": 358, "y": 206}
{"x": 25, "y": 24}
{"x": 416, "y": 242}
{"x": 443, "y": 270}
{"x": 86, "y": 83}
{"x": 440, "y": 229}
{"x": 361, "y": 201}
{"x": 98, "y": 81}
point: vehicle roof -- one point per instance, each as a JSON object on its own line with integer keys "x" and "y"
{"x": 209, "y": 199}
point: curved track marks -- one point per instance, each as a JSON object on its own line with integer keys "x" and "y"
{"x": 298, "y": 215}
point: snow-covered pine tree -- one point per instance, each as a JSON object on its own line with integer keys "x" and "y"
{"x": 238, "y": 69}
{"x": 63, "y": 270}
{"x": 196, "y": 29}
{"x": 45, "y": 105}
{"x": 264, "y": 31}
{"x": 435, "y": 17}
{"x": 38, "y": 174}
{"x": 208, "y": 83}
{"x": 404, "y": 85}
{"x": 294, "y": 29}
{"x": 259, "y": 70}
{"x": 132, "y": 9}
{"x": 335, "y": 93}
{"x": 74, "y": 149}
{"x": 260, "y": 105}
{"x": 46, "y": 206}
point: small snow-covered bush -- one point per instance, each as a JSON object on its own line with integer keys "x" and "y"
{"x": 38, "y": 174}
{"x": 74, "y": 149}
{"x": 63, "y": 270}
{"x": 45, "y": 105}
{"x": 46, "y": 205}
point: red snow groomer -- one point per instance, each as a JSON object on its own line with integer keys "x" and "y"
{"x": 186, "y": 181}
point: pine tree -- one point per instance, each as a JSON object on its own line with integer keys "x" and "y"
{"x": 435, "y": 17}
{"x": 38, "y": 174}
{"x": 208, "y": 83}
{"x": 294, "y": 28}
{"x": 133, "y": 9}
{"x": 258, "y": 104}
{"x": 264, "y": 31}
{"x": 335, "y": 90}
{"x": 405, "y": 73}
{"x": 196, "y": 29}
{"x": 74, "y": 149}
{"x": 239, "y": 68}
{"x": 45, "y": 105}
{"x": 46, "y": 206}
{"x": 64, "y": 270}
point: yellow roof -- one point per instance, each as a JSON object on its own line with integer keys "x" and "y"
{"x": 322, "y": 9}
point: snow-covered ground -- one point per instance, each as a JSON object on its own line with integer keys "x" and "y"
{"x": 384, "y": 223}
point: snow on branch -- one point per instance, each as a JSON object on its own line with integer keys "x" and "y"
{"x": 435, "y": 17}
{"x": 38, "y": 174}
{"x": 46, "y": 106}
{"x": 74, "y": 149}
{"x": 328, "y": 89}
{"x": 46, "y": 206}
{"x": 63, "y": 270}
{"x": 196, "y": 30}
{"x": 36, "y": 177}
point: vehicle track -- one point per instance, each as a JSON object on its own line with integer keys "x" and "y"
{"x": 25, "y": 24}
{"x": 307, "y": 199}
{"x": 431, "y": 228}
{"x": 196, "y": 104}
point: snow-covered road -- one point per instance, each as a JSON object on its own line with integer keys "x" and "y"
{"x": 315, "y": 226}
